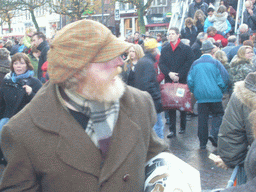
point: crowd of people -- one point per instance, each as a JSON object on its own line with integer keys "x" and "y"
{"x": 85, "y": 92}
{"x": 220, "y": 72}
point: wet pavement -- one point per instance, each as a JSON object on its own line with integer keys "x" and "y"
{"x": 186, "y": 147}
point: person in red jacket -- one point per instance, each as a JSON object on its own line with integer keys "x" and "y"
{"x": 212, "y": 32}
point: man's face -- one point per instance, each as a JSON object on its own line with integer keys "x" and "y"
{"x": 36, "y": 41}
{"x": 198, "y": 1}
{"x": 173, "y": 37}
{"x": 102, "y": 82}
{"x": 136, "y": 36}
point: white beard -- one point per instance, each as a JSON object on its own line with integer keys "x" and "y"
{"x": 104, "y": 93}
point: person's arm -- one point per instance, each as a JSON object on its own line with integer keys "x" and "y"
{"x": 163, "y": 63}
{"x": 229, "y": 27}
{"x": 2, "y": 104}
{"x": 206, "y": 24}
{"x": 224, "y": 41}
{"x": 146, "y": 78}
{"x": 223, "y": 81}
{"x": 232, "y": 139}
{"x": 36, "y": 85}
{"x": 19, "y": 174}
{"x": 190, "y": 79}
{"x": 183, "y": 70}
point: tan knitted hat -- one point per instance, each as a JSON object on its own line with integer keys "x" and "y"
{"x": 80, "y": 43}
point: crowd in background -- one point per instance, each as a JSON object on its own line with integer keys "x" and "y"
{"x": 207, "y": 37}
{"x": 209, "y": 33}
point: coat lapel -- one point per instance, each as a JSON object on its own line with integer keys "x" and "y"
{"x": 125, "y": 136}
{"x": 75, "y": 147}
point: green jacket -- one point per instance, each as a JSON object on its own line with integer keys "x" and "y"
{"x": 239, "y": 69}
{"x": 34, "y": 62}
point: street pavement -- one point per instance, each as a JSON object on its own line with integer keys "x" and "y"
{"x": 186, "y": 147}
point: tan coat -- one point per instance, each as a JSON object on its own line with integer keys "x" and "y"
{"x": 47, "y": 150}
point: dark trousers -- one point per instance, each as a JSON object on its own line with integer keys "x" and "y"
{"x": 204, "y": 110}
{"x": 172, "y": 116}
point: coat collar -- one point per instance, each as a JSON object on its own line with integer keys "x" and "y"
{"x": 246, "y": 91}
{"x": 75, "y": 147}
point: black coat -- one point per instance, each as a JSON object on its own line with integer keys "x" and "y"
{"x": 13, "y": 97}
{"x": 196, "y": 49}
{"x": 250, "y": 20}
{"x": 178, "y": 61}
{"x": 145, "y": 79}
{"x": 199, "y": 26}
{"x": 44, "y": 48}
{"x": 193, "y": 7}
{"x": 186, "y": 33}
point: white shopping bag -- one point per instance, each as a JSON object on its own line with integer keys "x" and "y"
{"x": 167, "y": 173}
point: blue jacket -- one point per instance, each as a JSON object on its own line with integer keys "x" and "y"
{"x": 207, "y": 79}
{"x": 207, "y": 24}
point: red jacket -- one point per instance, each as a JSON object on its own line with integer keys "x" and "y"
{"x": 217, "y": 36}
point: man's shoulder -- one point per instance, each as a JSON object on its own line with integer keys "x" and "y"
{"x": 166, "y": 46}
{"x": 134, "y": 94}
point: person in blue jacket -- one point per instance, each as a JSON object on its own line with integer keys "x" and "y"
{"x": 208, "y": 80}
{"x": 208, "y": 23}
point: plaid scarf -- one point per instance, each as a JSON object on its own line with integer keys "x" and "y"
{"x": 103, "y": 118}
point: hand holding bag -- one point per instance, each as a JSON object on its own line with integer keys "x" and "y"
{"x": 176, "y": 96}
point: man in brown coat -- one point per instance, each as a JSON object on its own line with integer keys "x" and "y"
{"x": 84, "y": 130}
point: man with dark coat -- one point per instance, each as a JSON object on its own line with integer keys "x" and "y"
{"x": 202, "y": 36}
{"x": 146, "y": 80}
{"x": 250, "y": 16}
{"x": 194, "y": 6}
{"x": 137, "y": 39}
{"x": 175, "y": 61}
{"x": 232, "y": 52}
{"x": 39, "y": 40}
{"x": 84, "y": 130}
{"x": 231, "y": 44}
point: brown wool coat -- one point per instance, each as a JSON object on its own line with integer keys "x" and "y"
{"x": 47, "y": 150}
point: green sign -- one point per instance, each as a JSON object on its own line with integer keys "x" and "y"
{"x": 168, "y": 14}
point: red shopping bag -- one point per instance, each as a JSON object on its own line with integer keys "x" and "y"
{"x": 176, "y": 96}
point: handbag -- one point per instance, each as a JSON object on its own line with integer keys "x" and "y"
{"x": 176, "y": 96}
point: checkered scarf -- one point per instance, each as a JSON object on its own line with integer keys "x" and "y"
{"x": 103, "y": 116}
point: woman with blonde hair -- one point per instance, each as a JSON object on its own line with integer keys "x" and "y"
{"x": 190, "y": 31}
{"x": 199, "y": 19}
{"x": 222, "y": 57}
{"x": 134, "y": 54}
{"x": 241, "y": 65}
